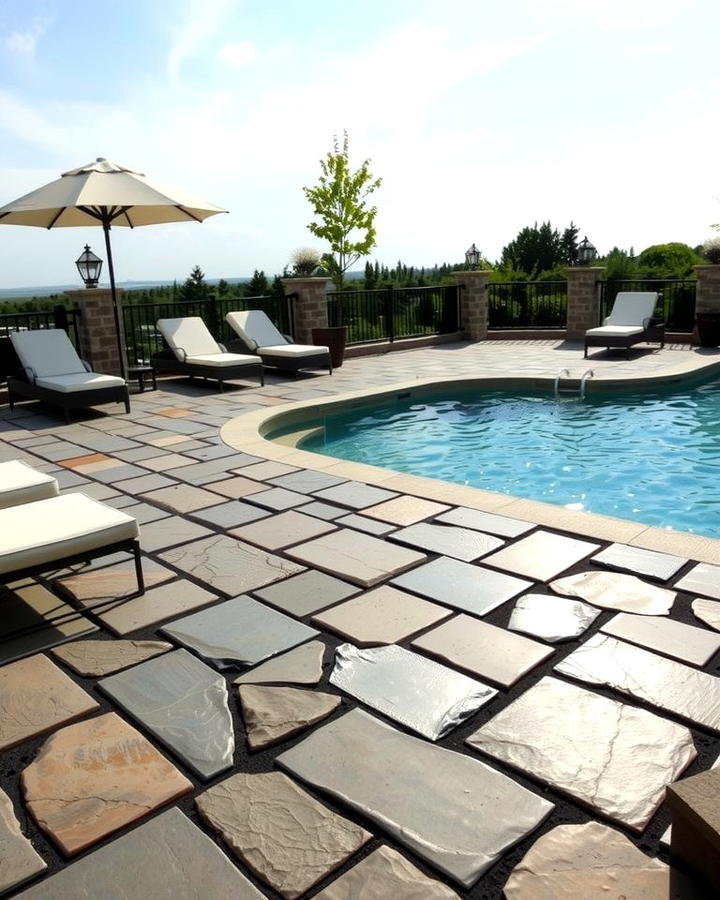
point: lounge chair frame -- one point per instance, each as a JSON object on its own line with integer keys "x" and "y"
{"x": 166, "y": 361}
{"x": 653, "y": 331}
{"x": 21, "y": 386}
{"x": 292, "y": 364}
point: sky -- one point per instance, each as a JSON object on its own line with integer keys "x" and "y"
{"x": 480, "y": 116}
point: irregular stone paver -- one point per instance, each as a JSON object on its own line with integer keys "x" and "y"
{"x": 454, "y": 812}
{"x": 684, "y": 642}
{"x": 541, "y": 555}
{"x": 383, "y": 615}
{"x": 169, "y": 532}
{"x": 616, "y": 758}
{"x": 661, "y": 682}
{"x": 282, "y": 530}
{"x": 708, "y": 611}
{"x": 488, "y": 522}
{"x": 231, "y": 514}
{"x": 323, "y": 510}
{"x": 98, "y": 587}
{"x": 638, "y": 561}
{"x": 272, "y": 714}
{"x": 277, "y": 499}
{"x": 483, "y": 649}
{"x": 306, "y": 593}
{"x": 305, "y": 481}
{"x": 239, "y": 632}
{"x": 37, "y": 696}
{"x": 182, "y": 498}
{"x": 166, "y": 857}
{"x": 447, "y": 540}
{"x": 184, "y": 703}
{"x": 229, "y": 565}
{"x": 94, "y": 777}
{"x": 383, "y": 874}
{"x": 416, "y": 692}
{"x": 405, "y": 510}
{"x": 236, "y": 488}
{"x": 551, "y": 618}
{"x": 18, "y": 859}
{"x": 360, "y": 558}
{"x": 701, "y": 579}
{"x": 156, "y": 605}
{"x": 303, "y": 665}
{"x": 472, "y": 589}
{"x": 264, "y": 471}
{"x": 589, "y": 860}
{"x": 612, "y": 590}
{"x": 95, "y": 658}
{"x": 355, "y": 495}
{"x": 284, "y": 835}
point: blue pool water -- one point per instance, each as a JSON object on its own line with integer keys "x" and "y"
{"x": 652, "y": 457}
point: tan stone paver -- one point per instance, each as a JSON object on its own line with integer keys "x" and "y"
{"x": 272, "y": 714}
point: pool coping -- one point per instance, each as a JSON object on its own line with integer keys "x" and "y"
{"x": 247, "y": 433}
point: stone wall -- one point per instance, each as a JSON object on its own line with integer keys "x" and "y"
{"x": 309, "y": 305}
{"x": 583, "y": 297}
{"x": 97, "y": 329}
{"x": 474, "y": 303}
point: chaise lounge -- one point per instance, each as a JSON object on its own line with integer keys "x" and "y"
{"x": 20, "y": 483}
{"x": 194, "y": 351}
{"x": 258, "y": 335}
{"x": 630, "y": 322}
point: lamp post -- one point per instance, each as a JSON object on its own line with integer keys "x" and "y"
{"x": 472, "y": 257}
{"x": 89, "y": 266}
{"x": 586, "y": 252}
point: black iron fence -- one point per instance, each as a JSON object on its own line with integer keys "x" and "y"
{"x": 676, "y": 302}
{"x": 394, "y": 313}
{"x": 527, "y": 304}
{"x": 58, "y": 317}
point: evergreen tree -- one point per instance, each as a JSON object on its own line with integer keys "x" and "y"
{"x": 195, "y": 288}
{"x": 569, "y": 244}
{"x": 257, "y": 286}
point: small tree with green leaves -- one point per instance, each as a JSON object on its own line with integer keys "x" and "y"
{"x": 346, "y": 222}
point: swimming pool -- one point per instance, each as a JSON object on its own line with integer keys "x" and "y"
{"x": 651, "y": 456}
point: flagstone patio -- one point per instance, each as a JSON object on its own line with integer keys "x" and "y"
{"x": 210, "y": 739}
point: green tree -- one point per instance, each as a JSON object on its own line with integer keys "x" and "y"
{"x": 619, "y": 264}
{"x": 673, "y": 260}
{"x": 569, "y": 244}
{"x": 539, "y": 249}
{"x": 195, "y": 287}
{"x": 340, "y": 202}
{"x": 257, "y": 286}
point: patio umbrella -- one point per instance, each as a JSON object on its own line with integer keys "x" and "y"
{"x": 103, "y": 193}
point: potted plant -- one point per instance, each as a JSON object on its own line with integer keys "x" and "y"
{"x": 305, "y": 261}
{"x": 708, "y": 323}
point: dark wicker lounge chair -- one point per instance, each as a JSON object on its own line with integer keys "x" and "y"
{"x": 257, "y": 334}
{"x": 631, "y": 321}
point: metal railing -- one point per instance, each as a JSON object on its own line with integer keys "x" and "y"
{"x": 527, "y": 304}
{"x": 676, "y": 304}
{"x": 394, "y": 313}
{"x": 58, "y": 317}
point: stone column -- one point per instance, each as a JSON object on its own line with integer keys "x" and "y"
{"x": 707, "y": 297}
{"x": 309, "y": 305}
{"x": 97, "y": 329}
{"x": 474, "y": 302}
{"x": 583, "y": 297}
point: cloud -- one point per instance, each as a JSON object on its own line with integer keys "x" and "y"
{"x": 24, "y": 43}
{"x": 202, "y": 21}
{"x": 239, "y": 54}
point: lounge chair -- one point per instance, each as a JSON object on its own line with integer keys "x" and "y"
{"x": 630, "y": 322}
{"x": 194, "y": 351}
{"x": 258, "y": 335}
{"x": 52, "y": 371}
{"x": 20, "y": 483}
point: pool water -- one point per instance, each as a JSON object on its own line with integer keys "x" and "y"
{"x": 652, "y": 457}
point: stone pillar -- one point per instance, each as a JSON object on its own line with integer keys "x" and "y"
{"x": 474, "y": 302}
{"x": 707, "y": 297}
{"x": 309, "y": 305}
{"x": 97, "y": 329}
{"x": 583, "y": 297}
{"x": 695, "y": 847}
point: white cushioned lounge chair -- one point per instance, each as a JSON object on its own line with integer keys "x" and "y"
{"x": 194, "y": 351}
{"x": 258, "y": 334}
{"x": 52, "y": 371}
{"x": 630, "y": 322}
{"x": 20, "y": 483}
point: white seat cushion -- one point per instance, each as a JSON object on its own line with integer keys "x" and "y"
{"x": 616, "y": 330}
{"x": 48, "y": 351}
{"x": 255, "y": 328}
{"x": 20, "y": 483}
{"x": 50, "y": 530}
{"x": 223, "y": 360}
{"x": 188, "y": 336}
{"x": 293, "y": 350}
{"x": 85, "y": 381}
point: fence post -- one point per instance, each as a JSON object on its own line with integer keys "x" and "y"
{"x": 60, "y": 317}
{"x": 583, "y": 294}
{"x": 211, "y": 314}
{"x": 474, "y": 302}
{"x": 310, "y": 308}
{"x": 390, "y": 313}
{"x": 707, "y": 296}
{"x": 98, "y": 337}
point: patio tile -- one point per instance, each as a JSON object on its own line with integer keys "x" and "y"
{"x": 100, "y": 587}
{"x": 701, "y": 579}
{"x": 236, "y": 487}
{"x": 280, "y": 531}
{"x": 96, "y": 658}
{"x": 165, "y": 462}
{"x": 589, "y": 860}
{"x": 96, "y": 491}
{"x": 355, "y": 495}
{"x": 229, "y": 565}
{"x": 156, "y": 605}
{"x": 18, "y": 859}
{"x": 184, "y": 704}
{"x": 213, "y": 469}
{"x": 306, "y": 481}
{"x": 420, "y": 694}
{"x": 289, "y": 839}
{"x": 306, "y": 593}
{"x": 611, "y": 590}
{"x": 230, "y": 514}
{"x": 277, "y": 499}
{"x": 483, "y": 649}
{"x": 237, "y": 633}
{"x": 360, "y": 558}
{"x": 273, "y": 714}
{"x": 301, "y": 665}
{"x": 491, "y": 523}
{"x": 551, "y": 618}
{"x": 168, "y": 856}
{"x": 60, "y": 450}
{"x": 541, "y": 555}
{"x": 94, "y": 777}
{"x": 182, "y": 498}
{"x": 684, "y": 642}
{"x": 323, "y": 510}
{"x": 75, "y": 461}
{"x": 169, "y": 532}
{"x": 462, "y": 586}
{"x": 645, "y": 676}
{"x": 447, "y": 540}
{"x": 119, "y": 474}
{"x": 37, "y": 696}
{"x": 173, "y": 413}
{"x": 637, "y": 561}
{"x": 146, "y": 482}
{"x": 384, "y": 615}
{"x": 405, "y": 510}
{"x": 102, "y": 464}
{"x": 617, "y": 759}
{"x": 145, "y": 512}
{"x": 708, "y": 611}
{"x": 264, "y": 471}
{"x": 454, "y": 812}
{"x": 138, "y": 454}
{"x": 360, "y": 523}
{"x": 205, "y": 452}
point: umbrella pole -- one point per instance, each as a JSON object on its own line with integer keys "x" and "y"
{"x": 116, "y": 314}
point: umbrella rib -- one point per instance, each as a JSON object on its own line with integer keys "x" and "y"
{"x": 56, "y": 217}
{"x": 187, "y": 212}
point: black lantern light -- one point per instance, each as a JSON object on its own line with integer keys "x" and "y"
{"x": 586, "y": 252}
{"x": 89, "y": 266}
{"x": 472, "y": 257}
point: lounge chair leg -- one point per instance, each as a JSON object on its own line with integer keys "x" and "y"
{"x": 138, "y": 567}
{"x": 585, "y": 358}
{"x": 262, "y": 378}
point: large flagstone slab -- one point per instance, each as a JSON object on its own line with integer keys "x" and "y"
{"x": 615, "y": 758}
{"x": 454, "y": 812}
{"x": 94, "y": 777}
{"x": 708, "y": 611}
{"x": 613, "y": 590}
{"x": 355, "y": 495}
{"x": 95, "y": 658}
{"x": 272, "y": 714}
{"x": 491, "y": 523}
{"x": 447, "y": 540}
{"x": 284, "y": 835}
{"x": 238, "y": 633}
{"x": 302, "y": 665}
{"x": 590, "y": 860}
{"x": 100, "y": 587}
{"x": 280, "y": 531}
{"x": 423, "y": 695}
{"x": 405, "y": 510}
{"x": 551, "y": 618}
{"x": 18, "y": 859}
{"x": 156, "y": 605}
{"x": 687, "y": 643}
{"x": 639, "y": 561}
{"x": 168, "y": 857}
{"x": 661, "y": 682}
{"x": 703, "y": 578}
{"x": 306, "y": 593}
{"x": 542, "y": 555}
{"x": 184, "y": 703}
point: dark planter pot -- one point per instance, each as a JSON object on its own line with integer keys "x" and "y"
{"x": 335, "y": 339}
{"x": 708, "y": 328}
